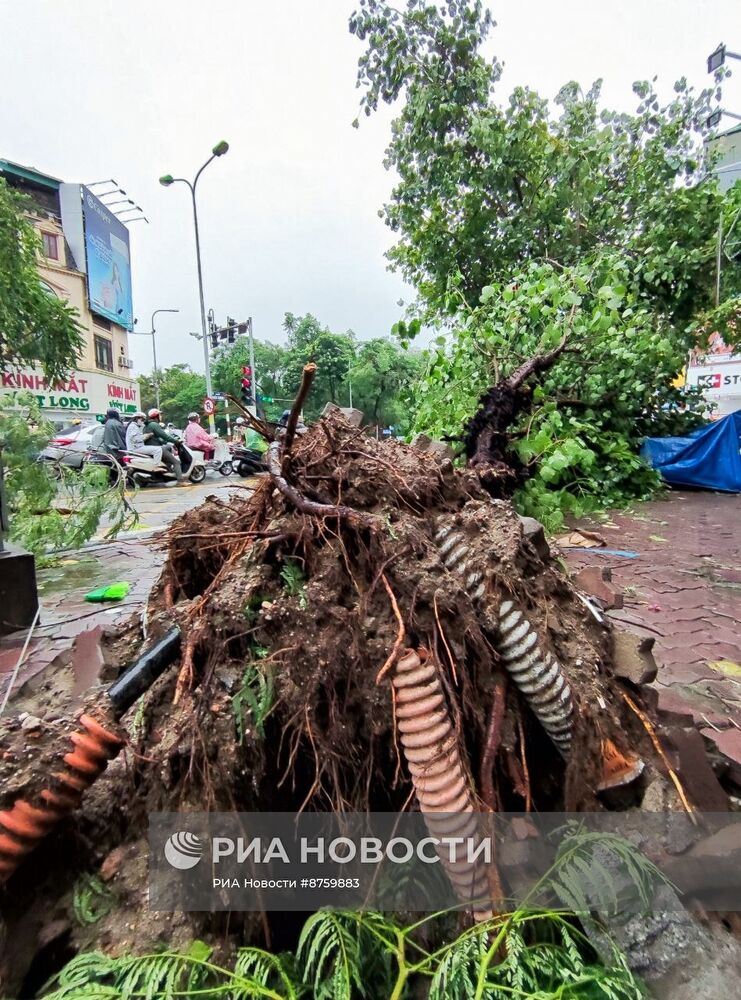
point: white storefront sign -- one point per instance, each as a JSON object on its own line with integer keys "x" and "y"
{"x": 720, "y": 379}
{"x": 80, "y": 393}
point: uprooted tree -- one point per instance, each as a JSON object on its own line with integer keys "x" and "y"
{"x": 368, "y": 631}
{"x": 517, "y": 223}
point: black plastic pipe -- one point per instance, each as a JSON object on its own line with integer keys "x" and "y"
{"x": 144, "y": 672}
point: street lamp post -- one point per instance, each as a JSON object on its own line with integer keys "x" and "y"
{"x": 219, "y": 150}
{"x": 151, "y": 333}
{"x": 717, "y": 58}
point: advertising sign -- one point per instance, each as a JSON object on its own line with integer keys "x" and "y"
{"x": 80, "y": 393}
{"x": 721, "y": 380}
{"x": 108, "y": 263}
{"x": 717, "y": 370}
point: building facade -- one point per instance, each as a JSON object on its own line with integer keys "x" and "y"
{"x": 102, "y": 378}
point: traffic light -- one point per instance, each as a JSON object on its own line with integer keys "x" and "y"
{"x": 214, "y": 340}
{"x": 246, "y": 392}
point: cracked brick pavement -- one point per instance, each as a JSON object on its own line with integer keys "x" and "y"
{"x": 684, "y": 589}
{"x": 69, "y": 628}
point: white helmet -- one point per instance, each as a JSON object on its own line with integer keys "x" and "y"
{"x": 194, "y": 416}
{"x": 138, "y": 415}
{"x": 240, "y": 420}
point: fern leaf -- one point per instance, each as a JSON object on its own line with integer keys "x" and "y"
{"x": 329, "y": 949}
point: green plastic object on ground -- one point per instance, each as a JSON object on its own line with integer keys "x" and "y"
{"x": 113, "y": 592}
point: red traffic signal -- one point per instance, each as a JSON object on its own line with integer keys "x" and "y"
{"x": 246, "y": 392}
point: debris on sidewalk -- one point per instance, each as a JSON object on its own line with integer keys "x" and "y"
{"x": 112, "y": 592}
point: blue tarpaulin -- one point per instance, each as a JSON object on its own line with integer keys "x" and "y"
{"x": 709, "y": 457}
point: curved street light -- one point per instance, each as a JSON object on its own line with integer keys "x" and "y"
{"x": 166, "y": 181}
{"x": 151, "y": 333}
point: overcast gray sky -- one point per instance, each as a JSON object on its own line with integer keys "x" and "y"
{"x": 133, "y": 89}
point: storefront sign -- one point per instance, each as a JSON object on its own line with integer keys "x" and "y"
{"x": 81, "y": 392}
{"x": 718, "y": 378}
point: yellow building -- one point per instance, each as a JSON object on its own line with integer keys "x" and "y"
{"x": 102, "y": 378}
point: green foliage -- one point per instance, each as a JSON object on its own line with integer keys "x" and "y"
{"x": 345, "y": 955}
{"x": 182, "y": 391}
{"x": 582, "y": 434}
{"x": 35, "y": 327}
{"x": 484, "y": 188}
{"x": 329, "y": 948}
{"x": 533, "y": 954}
{"x": 518, "y": 222}
{"x": 602, "y": 872}
{"x": 294, "y": 580}
{"x": 52, "y": 508}
{"x": 256, "y": 694}
{"x": 382, "y": 377}
{"x": 91, "y": 900}
{"x": 378, "y": 370}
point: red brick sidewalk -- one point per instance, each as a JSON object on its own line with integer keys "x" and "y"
{"x": 684, "y": 588}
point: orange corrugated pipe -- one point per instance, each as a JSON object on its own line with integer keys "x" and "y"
{"x": 440, "y": 780}
{"x": 26, "y": 823}
{"x": 93, "y": 745}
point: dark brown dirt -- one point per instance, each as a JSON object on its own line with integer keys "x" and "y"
{"x": 257, "y": 586}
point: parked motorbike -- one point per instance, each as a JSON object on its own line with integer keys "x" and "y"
{"x": 247, "y": 462}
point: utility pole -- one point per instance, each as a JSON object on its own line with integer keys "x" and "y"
{"x": 252, "y": 366}
{"x": 719, "y": 260}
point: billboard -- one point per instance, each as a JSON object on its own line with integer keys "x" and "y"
{"x": 716, "y": 369}
{"x": 108, "y": 263}
{"x": 80, "y": 393}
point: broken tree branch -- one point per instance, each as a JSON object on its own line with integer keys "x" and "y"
{"x": 255, "y": 423}
{"x": 298, "y": 404}
{"x": 653, "y": 735}
{"x": 539, "y": 363}
{"x": 300, "y": 502}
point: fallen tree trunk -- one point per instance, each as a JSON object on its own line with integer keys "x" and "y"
{"x": 486, "y": 437}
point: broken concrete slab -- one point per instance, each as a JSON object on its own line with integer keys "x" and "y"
{"x": 87, "y": 659}
{"x": 596, "y": 581}
{"x": 695, "y": 773}
{"x": 349, "y": 412}
{"x": 729, "y": 745}
{"x": 425, "y": 445}
{"x": 534, "y": 531}
{"x": 633, "y": 659}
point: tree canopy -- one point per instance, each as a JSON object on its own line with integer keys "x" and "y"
{"x": 377, "y": 372}
{"x": 519, "y": 221}
{"x": 182, "y": 391}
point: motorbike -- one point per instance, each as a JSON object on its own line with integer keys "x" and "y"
{"x": 247, "y": 462}
{"x": 141, "y": 470}
{"x": 221, "y": 460}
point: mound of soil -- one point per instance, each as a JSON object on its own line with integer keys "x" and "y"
{"x": 303, "y": 611}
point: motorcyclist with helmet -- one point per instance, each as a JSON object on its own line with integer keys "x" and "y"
{"x": 198, "y": 439}
{"x": 136, "y": 439}
{"x": 114, "y": 434}
{"x": 156, "y": 434}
